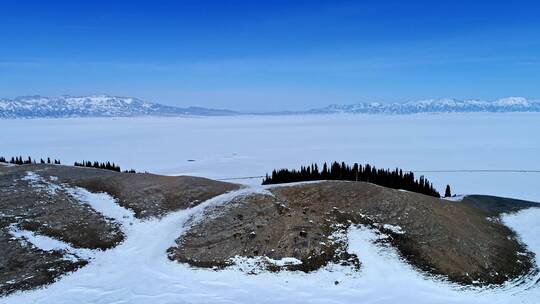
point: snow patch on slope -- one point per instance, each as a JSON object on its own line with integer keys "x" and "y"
{"x": 104, "y": 204}
{"x": 46, "y": 243}
{"x": 39, "y": 183}
{"x": 394, "y": 228}
{"x": 100, "y": 202}
{"x": 258, "y": 264}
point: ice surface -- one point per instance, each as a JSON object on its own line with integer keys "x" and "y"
{"x": 243, "y": 146}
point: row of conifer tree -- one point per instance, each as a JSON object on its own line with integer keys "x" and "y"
{"x": 18, "y": 160}
{"x": 396, "y": 178}
{"x": 98, "y": 165}
{"x": 103, "y": 165}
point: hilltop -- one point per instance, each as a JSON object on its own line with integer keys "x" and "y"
{"x": 57, "y": 219}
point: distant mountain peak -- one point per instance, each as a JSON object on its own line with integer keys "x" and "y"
{"x": 102, "y": 105}
{"x": 94, "y": 106}
{"x": 446, "y": 105}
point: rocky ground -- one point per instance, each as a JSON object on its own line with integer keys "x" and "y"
{"x": 38, "y": 199}
{"x": 462, "y": 241}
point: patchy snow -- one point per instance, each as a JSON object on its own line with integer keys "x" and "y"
{"x": 284, "y": 261}
{"x": 47, "y": 243}
{"x": 32, "y": 178}
{"x": 252, "y": 265}
{"x": 36, "y": 181}
{"x": 394, "y": 228}
{"x": 104, "y": 204}
{"x": 138, "y": 271}
{"x": 454, "y": 198}
{"x": 101, "y": 202}
{"x": 40, "y": 241}
{"x": 258, "y": 264}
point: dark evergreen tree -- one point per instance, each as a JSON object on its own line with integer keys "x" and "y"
{"x": 447, "y": 192}
{"x": 396, "y": 179}
{"x": 98, "y": 165}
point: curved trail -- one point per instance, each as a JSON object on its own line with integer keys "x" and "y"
{"x": 138, "y": 271}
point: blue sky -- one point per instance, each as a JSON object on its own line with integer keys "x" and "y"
{"x": 271, "y": 55}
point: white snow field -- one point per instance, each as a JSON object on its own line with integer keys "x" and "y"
{"x": 240, "y": 146}
{"x": 138, "y": 270}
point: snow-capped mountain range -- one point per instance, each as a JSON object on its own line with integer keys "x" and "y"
{"x": 111, "y": 106}
{"x": 510, "y": 104}
{"x": 94, "y": 106}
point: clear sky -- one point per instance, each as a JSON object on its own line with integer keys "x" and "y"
{"x": 271, "y": 55}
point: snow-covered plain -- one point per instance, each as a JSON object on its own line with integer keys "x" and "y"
{"x": 240, "y": 146}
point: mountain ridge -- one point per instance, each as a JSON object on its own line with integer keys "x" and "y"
{"x": 447, "y": 105}
{"x": 115, "y": 106}
{"x": 94, "y": 106}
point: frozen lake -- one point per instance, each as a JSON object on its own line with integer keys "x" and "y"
{"x": 229, "y": 147}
